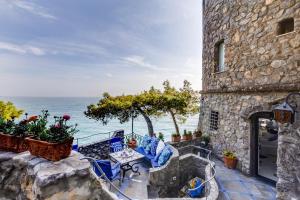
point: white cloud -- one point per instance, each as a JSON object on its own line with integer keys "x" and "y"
{"x": 139, "y": 61}
{"x": 12, "y": 48}
{"x": 32, "y": 8}
{"x": 21, "y": 49}
{"x": 108, "y": 75}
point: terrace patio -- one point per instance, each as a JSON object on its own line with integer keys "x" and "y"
{"x": 229, "y": 184}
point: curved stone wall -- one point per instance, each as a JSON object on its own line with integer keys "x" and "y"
{"x": 167, "y": 180}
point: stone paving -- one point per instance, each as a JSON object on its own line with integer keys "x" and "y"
{"x": 233, "y": 185}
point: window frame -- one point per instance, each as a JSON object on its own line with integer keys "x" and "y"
{"x": 282, "y": 26}
{"x": 214, "y": 120}
{"x": 220, "y": 47}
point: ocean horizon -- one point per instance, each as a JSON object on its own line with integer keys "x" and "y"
{"x": 75, "y": 107}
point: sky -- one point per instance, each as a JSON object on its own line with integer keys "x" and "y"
{"x": 84, "y": 48}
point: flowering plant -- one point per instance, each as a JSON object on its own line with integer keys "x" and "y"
{"x": 59, "y": 131}
{"x": 15, "y": 129}
{"x": 38, "y": 124}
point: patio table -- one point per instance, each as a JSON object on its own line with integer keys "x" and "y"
{"x": 128, "y": 159}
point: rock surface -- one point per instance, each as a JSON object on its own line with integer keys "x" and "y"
{"x": 23, "y": 176}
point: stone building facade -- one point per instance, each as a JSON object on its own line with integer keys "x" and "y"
{"x": 259, "y": 68}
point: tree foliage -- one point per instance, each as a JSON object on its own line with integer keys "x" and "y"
{"x": 8, "y": 111}
{"x": 179, "y": 103}
{"x": 151, "y": 103}
{"x": 125, "y": 107}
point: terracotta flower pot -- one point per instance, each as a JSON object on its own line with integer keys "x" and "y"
{"x": 132, "y": 144}
{"x": 196, "y": 135}
{"x": 11, "y": 143}
{"x": 230, "y": 162}
{"x": 176, "y": 138}
{"x": 187, "y": 137}
{"x": 50, "y": 151}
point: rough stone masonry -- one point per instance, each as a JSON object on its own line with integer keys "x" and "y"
{"x": 261, "y": 67}
{"x": 23, "y": 176}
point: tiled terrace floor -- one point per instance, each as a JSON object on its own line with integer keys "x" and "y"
{"x": 235, "y": 186}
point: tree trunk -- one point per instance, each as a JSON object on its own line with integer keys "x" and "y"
{"x": 175, "y": 122}
{"x": 148, "y": 121}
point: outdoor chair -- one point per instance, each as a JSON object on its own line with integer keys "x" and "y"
{"x": 75, "y": 147}
{"x": 112, "y": 172}
{"x": 116, "y": 144}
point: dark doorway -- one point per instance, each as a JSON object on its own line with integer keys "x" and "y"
{"x": 264, "y": 143}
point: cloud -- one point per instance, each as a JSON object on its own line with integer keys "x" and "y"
{"x": 21, "y": 49}
{"x": 139, "y": 61}
{"x": 108, "y": 75}
{"x": 32, "y": 8}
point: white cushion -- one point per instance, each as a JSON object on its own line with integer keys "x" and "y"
{"x": 160, "y": 146}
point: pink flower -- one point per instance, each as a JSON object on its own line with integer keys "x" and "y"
{"x": 57, "y": 126}
{"x": 66, "y": 117}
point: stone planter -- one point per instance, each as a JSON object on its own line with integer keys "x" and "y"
{"x": 230, "y": 162}
{"x": 187, "y": 137}
{"x": 11, "y": 143}
{"x": 132, "y": 144}
{"x": 49, "y": 151}
{"x": 176, "y": 138}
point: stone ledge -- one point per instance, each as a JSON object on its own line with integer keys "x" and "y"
{"x": 23, "y": 176}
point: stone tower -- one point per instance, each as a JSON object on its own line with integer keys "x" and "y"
{"x": 251, "y": 61}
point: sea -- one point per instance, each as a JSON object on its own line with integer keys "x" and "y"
{"x": 89, "y": 129}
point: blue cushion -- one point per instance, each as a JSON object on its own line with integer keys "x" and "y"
{"x": 154, "y": 143}
{"x": 164, "y": 156}
{"x": 149, "y": 156}
{"x": 145, "y": 141}
{"x": 197, "y": 191}
{"x": 157, "y": 156}
{"x": 140, "y": 150}
{"x": 154, "y": 163}
{"x": 116, "y": 146}
{"x": 148, "y": 149}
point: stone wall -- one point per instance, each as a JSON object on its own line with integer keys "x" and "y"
{"x": 261, "y": 67}
{"x": 25, "y": 177}
{"x": 165, "y": 179}
{"x": 288, "y": 162}
{"x": 234, "y": 124}
{"x": 256, "y": 57}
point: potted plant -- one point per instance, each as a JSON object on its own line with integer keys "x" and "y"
{"x": 176, "y": 137}
{"x": 132, "y": 143}
{"x": 205, "y": 139}
{"x": 230, "y": 159}
{"x": 53, "y": 143}
{"x": 161, "y": 136}
{"x": 187, "y": 136}
{"x": 197, "y": 134}
{"x": 12, "y": 135}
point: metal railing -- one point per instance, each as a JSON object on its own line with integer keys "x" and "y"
{"x": 109, "y": 134}
{"x": 103, "y": 175}
{"x": 136, "y": 136}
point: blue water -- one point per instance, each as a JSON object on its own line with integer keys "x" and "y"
{"x": 75, "y": 106}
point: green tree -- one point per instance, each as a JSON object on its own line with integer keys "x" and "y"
{"x": 126, "y": 106}
{"x": 180, "y": 104}
{"x": 8, "y": 111}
